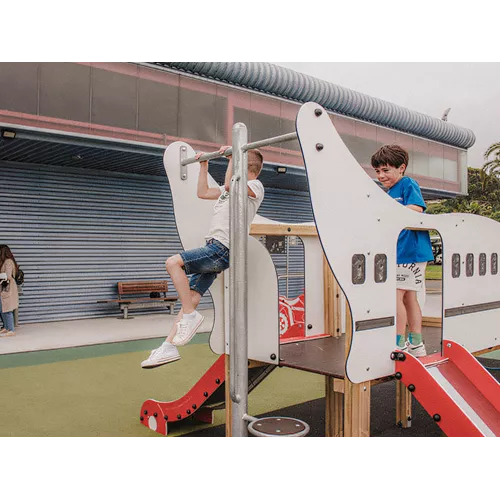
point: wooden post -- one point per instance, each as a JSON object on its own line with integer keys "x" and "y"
{"x": 332, "y": 293}
{"x": 228, "y": 401}
{"x": 356, "y": 397}
{"x": 403, "y": 405}
{"x": 334, "y": 416}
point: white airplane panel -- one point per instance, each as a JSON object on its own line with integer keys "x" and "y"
{"x": 349, "y": 207}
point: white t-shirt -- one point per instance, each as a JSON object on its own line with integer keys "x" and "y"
{"x": 219, "y": 228}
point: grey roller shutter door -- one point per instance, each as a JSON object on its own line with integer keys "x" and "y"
{"x": 77, "y": 232}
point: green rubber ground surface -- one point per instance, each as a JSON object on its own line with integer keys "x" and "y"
{"x": 99, "y": 390}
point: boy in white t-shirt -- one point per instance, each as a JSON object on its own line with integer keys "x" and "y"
{"x": 205, "y": 263}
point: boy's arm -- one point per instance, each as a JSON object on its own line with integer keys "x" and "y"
{"x": 413, "y": 197}
{"x": 204, "y": 191}
{"x": 415, "y": 207}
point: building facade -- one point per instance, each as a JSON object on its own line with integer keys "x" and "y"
{"x": 84, "y": 198}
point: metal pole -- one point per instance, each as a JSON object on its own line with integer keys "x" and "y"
{"x": 238, "y": 305}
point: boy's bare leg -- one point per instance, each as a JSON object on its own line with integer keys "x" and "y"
{"x": 195, "y": 297}
{"x": 174, "y": 268}
{"x": 401, "y": 316}
{"x": 414, "y": 313}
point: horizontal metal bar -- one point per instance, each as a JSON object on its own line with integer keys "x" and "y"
{"x": 297, "y": 275}
{"x": 246, "y": 147}
{"x": 459, "y": 311}
{"x": 268, "y": 142}
{"x": 371, "y": 324}
{"x": 206, "y": 157}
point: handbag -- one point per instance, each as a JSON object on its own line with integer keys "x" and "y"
{"x": 19, "y": 276}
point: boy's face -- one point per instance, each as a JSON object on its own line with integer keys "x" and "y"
{"x": 388, "y": 176}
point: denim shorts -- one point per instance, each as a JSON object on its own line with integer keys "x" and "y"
{"x": 205, "y": 264}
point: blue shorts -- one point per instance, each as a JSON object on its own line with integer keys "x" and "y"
{"x": 205, "y": 264}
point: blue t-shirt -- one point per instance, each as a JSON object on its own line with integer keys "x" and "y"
{"x": 413, "y": 246}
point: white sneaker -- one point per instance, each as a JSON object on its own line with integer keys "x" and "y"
{"x": 404, "y": 348}
{"x": 417, "y": 350}
{"x": 186, "y": 329}
{"x": 166, "y": 353}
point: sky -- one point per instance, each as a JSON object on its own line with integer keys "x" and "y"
{"x": 471, "y": 90}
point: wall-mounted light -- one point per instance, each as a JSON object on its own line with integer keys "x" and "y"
{"x": 8, "y": 134}
{"x": 281, "y": 170}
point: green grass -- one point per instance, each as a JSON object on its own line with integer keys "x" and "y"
{"x": 433, "y": 272}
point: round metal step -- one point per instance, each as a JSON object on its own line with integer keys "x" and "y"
{"x": 278, "y": 426}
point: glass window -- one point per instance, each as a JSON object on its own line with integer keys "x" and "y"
{"x": 420, "y": 157}
{"x": 158, "y": 107}
{"x": 436, "y": 161}
{"x": 198, "y": 112}
{"x": 385, "y": 136}
{"x": 406, "y": 142}
{"x": 19, "y": 87}
{"x": 450, "y": 164}
{"x": 114, "y": 99}
{"x": 65, "y": 91}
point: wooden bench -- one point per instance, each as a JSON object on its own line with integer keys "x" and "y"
{"x": 131, "y": 294}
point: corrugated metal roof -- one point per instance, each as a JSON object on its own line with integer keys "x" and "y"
{"x": 288, "y": 84}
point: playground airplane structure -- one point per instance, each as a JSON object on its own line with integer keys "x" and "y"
{"x": 354, "y": 239}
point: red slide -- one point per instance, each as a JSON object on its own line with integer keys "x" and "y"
{"x": 455, "y": 389}
{"x": 207, "y": 395}
{"x": 156, "y": 414}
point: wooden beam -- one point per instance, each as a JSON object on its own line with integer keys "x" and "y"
{"x": 431, "y": 321}
{"x": 334, "y": 398}
{"x": 328, "y": 294}
{"x": 283, "y": 230}
{"x": 357, "y": 409}
{"x": 403, "y": 405}
{"x": 356, "y": 397}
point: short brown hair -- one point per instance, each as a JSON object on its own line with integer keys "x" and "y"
{"x": 255, "y": 161}
{"x": 392, "y": 155}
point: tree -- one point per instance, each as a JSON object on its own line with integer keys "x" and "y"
{"x": 492, "y": 166}
{"x": 483, "y": 198}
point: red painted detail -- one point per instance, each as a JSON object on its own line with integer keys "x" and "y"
{"x": 436, "y": 401}
{"x": 476, "y": 373}
{"x": 207, "y": 384}
{"x": 292, "y": 317}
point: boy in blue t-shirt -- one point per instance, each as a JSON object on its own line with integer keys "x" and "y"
{"x": 414, "y": 247}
